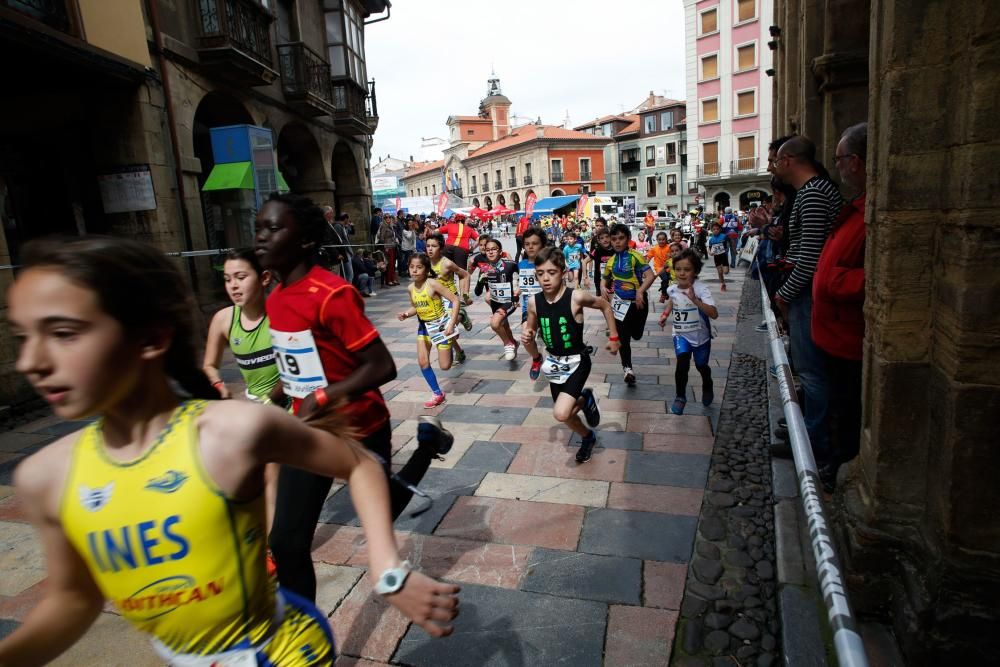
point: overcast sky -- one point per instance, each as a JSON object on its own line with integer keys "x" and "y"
{"x": 432, "y": 59}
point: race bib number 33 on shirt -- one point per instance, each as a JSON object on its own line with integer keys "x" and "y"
{"x": 298, "y": 362}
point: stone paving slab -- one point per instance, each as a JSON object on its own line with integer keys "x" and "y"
{"x": 638, "y": 636}
{"x": 585, "y": 576}
{"x": 513, "y": 522}
{"x": 501, "y": 628}
{"x": 688, "y": 470}
{"x": 544, "y": 489}
{"x": 656, "y": 498}
{"x": 470, "y": 414}
{"x": 646, "y": 535}
{"x": 489, "y": 456}
{"x": 611, "y": 439}
{"x": 542, "y": 459}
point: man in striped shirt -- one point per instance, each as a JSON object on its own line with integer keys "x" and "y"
{"x": 817, "y": 203}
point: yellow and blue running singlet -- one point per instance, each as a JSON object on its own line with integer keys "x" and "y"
{"x": 448, "y": 282}
{"x": 430, "y": 310}
{"x": 180, "y": 560}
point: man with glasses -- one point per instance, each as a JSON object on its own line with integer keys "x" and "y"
{"x": 838, "y": 291}
{"x": 817, "y": 203}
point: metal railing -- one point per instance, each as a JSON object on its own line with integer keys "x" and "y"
{"x": 585, "y": 175}
{"x": 511, "y": 182}
{"x": 371, "y": 102}
{"x": 709, "y": 169}
{"x": 527, "y": 180}
{"x": 630, "y": 166}
{"x": 846, "y": 640}
{"x": 558, "y": 177}
{"x": 304, "y": 72}
{"x": 243, "y": 24}
{"x": 497, "y": 185}
{"x": 744, "y": 165}
{"x": 473, "y": 190}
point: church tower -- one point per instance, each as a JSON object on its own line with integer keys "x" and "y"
{"x": 496, "y": 107}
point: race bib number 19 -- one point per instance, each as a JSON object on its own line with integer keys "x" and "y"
{"x": 299, "y": 365}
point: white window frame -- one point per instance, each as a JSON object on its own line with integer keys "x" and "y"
{"x": 736, "y": 102}
{"x": 736, "y": 14}
{"x": 701, "y": 108}
{"x": 714, "y": 8}
{"x": 673, "y": 121}
{"x": 736, "y": 56}
{"x": 632, "y": 184}
{"x": 645, "y": 157}
{"x": 589, "y": 169}
{"x": 736, "y": 147}
{"x": 701, "y": 70}
{"x": 645, "y": 120}
{"x": 552, "y": 164}
{"x": 666, "y": 186}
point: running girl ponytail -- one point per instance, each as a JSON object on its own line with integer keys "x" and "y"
{"x": 137, "y": 285}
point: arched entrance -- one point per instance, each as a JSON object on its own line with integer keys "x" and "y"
{"x": 218, "y": 110}
{"x": 489, "y": 203}
{"x": 475, "y": 202}
{"x": 501, "y": 200}
{"x": 300, "y": 160}
{"x": 350, "y": 195}
{"x": 721, "y": 200}
{"x": 515, "y": 201}
{"x": 748, "y": 197}
{"x": 558, "y": 193}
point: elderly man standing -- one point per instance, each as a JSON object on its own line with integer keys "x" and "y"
{"x": 838, "y": 319}
{"x": 817, "y": 203}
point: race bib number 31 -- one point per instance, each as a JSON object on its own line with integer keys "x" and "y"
{"x": 298, "y": 362}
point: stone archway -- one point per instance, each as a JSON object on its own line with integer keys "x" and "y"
{"x": 216, "y": 110}
{"x": 753, "y": 195}
{"x": 721, "y": 200}
{"x": 558, "y": 193}
{"x": 488, "y": 203}
{"x": 501, "y": 200}
{"x": 301, "y": 162}
{"x": 475, "y": 202}
{"x": 350, "y": 194}
{"x": 515, "y": 200}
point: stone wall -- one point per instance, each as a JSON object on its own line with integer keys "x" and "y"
{"x": 918, "y": 507}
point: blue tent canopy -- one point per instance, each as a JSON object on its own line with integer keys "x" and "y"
{"x": 550, "y": 205}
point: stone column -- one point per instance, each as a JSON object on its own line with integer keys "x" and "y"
{"x": 920, "y": 507}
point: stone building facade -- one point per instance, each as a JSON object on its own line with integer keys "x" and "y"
{"x": 98, "y": 92}
{"x": 918, "y": 508}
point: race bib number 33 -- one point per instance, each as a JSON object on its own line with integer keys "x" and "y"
{"x": 299, "y": 365}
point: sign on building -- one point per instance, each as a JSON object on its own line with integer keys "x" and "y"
{"x": 127, "y": 189}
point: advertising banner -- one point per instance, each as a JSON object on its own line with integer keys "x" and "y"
{"x": 581, "y": 205}
{"x": 529, "y": 204}
{"x": 442, "y": 203}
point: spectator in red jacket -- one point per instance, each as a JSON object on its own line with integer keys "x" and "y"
{"x": 838, "y": 320}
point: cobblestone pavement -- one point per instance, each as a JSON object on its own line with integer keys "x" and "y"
{"x": 558, "y": 562}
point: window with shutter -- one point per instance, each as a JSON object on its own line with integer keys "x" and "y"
{"x": 709, "y": 67}
{"x": 746, "y": 10}
{"x": 709, "y": 22}
{"x": 709, "y": 110}
{"x": 746, "y": 57}
{"x": 745, "y": 103}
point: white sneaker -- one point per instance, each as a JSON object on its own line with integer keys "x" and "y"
{"x": 509, "y": 352}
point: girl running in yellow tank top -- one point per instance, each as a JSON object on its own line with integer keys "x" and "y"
{"x": 452, "y": 277}
{"x": 157, "y": 506}
{"x": 436, "y": 326}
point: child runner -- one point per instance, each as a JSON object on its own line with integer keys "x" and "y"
{"x": 718, "y": 248}
{"x": 533, "y": 240}
{"x": 327, "y": 352}
{"x": 435, "y": 326}
{"x": 677, "y": 236}
{"x": 244, "y": 328}
{"x": 479, "y": 262}
{"x": 446, "y": 270}
{"x": 157, "y": 506}
{"x": 558, "y": 312}
{"x": 573, "y": 253}
{"x": 627, "y": 278}
{"x": 600, "y": 252}
{"x": 659, "y": 256}
{"x": 691, "y": 305}
{"x": 501, "y": 276}
{"x": 641, "y": 244}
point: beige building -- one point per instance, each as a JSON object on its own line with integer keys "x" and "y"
{"x": 423, "y": 179}
{"x": 918, "y": 512}
{"x": 109, "y": 106}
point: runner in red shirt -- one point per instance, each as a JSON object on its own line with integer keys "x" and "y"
{"x": 459, "y": 235}
{"x": 327, "y": 351}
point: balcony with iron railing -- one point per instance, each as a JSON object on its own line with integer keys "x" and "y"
{"x": 744, "y": 165}
{"x": 585, "y": 175}
{"x": 355, "y": 109}
{"x": 473, "y": 190}
{"x": 305, "y": 79}
{"x": 631, "y": 166}
{"x": 709, "y": 170}
{"x": 54, "y": 14}
{"x": 527, "y": 180}
{"x": 486, "y": 186}
{"x": 497, "y": 185}
{"x": 512, "y": 183}
{"x": 235, "y": 41}
{"x": 558, "y": 177}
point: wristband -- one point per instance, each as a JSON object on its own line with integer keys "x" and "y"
{"x": 321, "y": 397}
{"x": 613, "y": 339}
{"x": 218, "y": 383}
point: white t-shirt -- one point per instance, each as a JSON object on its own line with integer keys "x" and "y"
{"x": 685, "y": 317}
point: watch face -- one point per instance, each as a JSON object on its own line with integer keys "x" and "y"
{"x": 390, "y": 580}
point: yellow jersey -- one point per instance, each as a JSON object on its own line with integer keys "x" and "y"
{"x": 449, "y": 281}
{"x": 176, "y": 557}
{"x": 428, "y": 305}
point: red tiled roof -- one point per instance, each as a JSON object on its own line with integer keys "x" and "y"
{"x": 526, "y": 133}
{"x": 632, "y": 127}
{"x": 472, "y": 119}
{"x": 602, "y": 119}
{"x": 418, "y": 168}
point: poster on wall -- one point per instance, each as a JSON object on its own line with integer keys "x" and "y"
{"x": 127, "y": 189}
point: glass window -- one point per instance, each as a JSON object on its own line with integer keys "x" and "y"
{"x": 633, "y": 184}
{"x": 709, "y": 22}
{"x": 746, "y": 57}
{"x": 710, "y": 155}
{"x": 651, "y": 186}
{"x": 671, "y": 184}
{"x": 746, "y": 10}
{"x": 649, "y": 124}
{"x": 710, "y": 67}
{"x": 709, "y": 110}
{"x": 527, "y": 169}
{"x": 745, "y": 147}
{"x": 650, "y": 156}
{"x": 334, "y": 28}
{"x": 666, "y": 120}
{"x": 745, "y": 103}
{"x": 671, "y": 153}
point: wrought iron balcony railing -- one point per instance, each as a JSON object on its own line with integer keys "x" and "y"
{"x": 585, "y": 175}
{"x": 497, "y": 185}
{"x": 709, "y": 170}
{"x": 240, "y": 24}
{"x": 527, "y": 180}
{"x": 744, "y": 165}
{"x": 305, "y": 78}
{"x": 473, "y": 190}
{"x": 512, "y": 183}
{"x": 630, "y": 166}
{"x": 558, "y": 177}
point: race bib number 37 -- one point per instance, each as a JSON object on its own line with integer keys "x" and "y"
{"x": 686, "y": 319}
{"x": 298, "y": 362}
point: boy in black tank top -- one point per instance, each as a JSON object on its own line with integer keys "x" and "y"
{"x": 558, "y": 312}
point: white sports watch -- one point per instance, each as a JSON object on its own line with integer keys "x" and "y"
{"x": 393, "y": 579}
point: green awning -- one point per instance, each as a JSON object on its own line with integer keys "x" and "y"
{"x": 230, "y": 176}
{"x": 282, "y": 185}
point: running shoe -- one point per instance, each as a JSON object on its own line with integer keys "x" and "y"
{"x": 436, "y": 400}
{"x": 536, "y": 368}
{"x": 762, "y": 327}
{"x": 459, "y": 357}
{"x": 466, "y": 320}
{"x": 707, "y": 395}
{"x": 723, "y": 288}
{"x": 509, "y": 352}
{"x": 678, "y": 407}
{"x": 591, "y": 411}
{"x": 430, "y": 433}
{"x": 586, "y": 448}
{"x": 629, "y": 376}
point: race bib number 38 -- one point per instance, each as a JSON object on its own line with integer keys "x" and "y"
{"x": 298, "y": 362}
